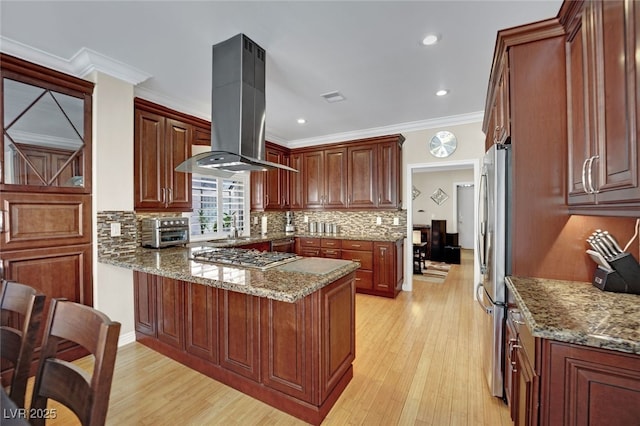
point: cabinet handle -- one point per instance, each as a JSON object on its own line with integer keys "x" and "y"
{"x": 164, "y": 196}
{"x": 2, "y": 212}
{"x": 584, "y": 176}
{"x": 170, "y": 191}
{"x": 517, "y": 322}
{"x": 589, "y": 174}
{"x": 355, "y": 260}
{"x": 379, "y": 198}
{"x": 355, "y": 245}
{"x": 1, "y": 269}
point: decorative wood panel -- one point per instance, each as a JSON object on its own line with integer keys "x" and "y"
{"x": 240, "y": 333}
{"x": 144, "y": 294}
{"x": 170, "y": 311}
{"x": 201, "y": 321}
{"x": 338, "y": 346}
{"x": 44, "y": 221}
{"x": 288, "y": 339}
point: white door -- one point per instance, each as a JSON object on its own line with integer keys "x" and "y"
{"x": 465, "y": 216}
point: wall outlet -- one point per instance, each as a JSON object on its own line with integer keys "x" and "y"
{"x": 306, "y": 219}
{"x": 378, "y": 220}
{"x": 396, "y": 221}
{"x": 255, "y": 220}
{"x": 115, "y": 229}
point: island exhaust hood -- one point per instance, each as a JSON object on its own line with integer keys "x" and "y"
{"x": 237, "y": 112}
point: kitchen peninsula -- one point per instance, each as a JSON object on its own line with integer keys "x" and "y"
{"x": 284, "y": 335}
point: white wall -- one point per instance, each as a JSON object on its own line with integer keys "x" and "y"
{"x": 417, "y": 159}
{"x": 429, "y": 182}
{"x": 113, "y": 190}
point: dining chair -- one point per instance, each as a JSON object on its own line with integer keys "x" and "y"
{"x": 84, "y": 393}
{"x": 20, "y": 316}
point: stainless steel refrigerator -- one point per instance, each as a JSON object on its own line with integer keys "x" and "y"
{"x": 494, "y": 253}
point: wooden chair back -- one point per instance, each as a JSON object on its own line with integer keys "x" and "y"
{"x": 21, "y": 309}
{"x": 84, "y": 393}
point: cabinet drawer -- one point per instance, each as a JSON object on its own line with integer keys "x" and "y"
{"x": 310, "y": 252}
{"x": 365, "y": 258}
{"x": 331, "y": 253}
{"x": 331, "y": 243}
{"x": 309, "y": 242}
{"x": 364, "y": 279}
{"x": 357, "y": 245}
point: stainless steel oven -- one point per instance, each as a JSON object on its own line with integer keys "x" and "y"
{"x": 165, "y": 231}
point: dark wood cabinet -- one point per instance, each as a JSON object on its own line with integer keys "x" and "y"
{"x": 308, "y": 246}
{"x": 602, "y": 93}
{"x": 239, "y": 332}
{"x": 160, "y": 144}
{"x": 270, "y": 189}
{"x": 497, "y": 124}
{"x": 296, "y": 193}
{"x": 331, "y": 248}
{"x": 362, "y": 252}
{"x": 389, "y": 173}
{"x": 593, "y": 386}
{"x": 46, "y": 204}
{"x": 521, "y": 379}
{"x": 324, "y": 179}
{"x": 362, "y": 182}
{"x": 170, "y": 311}
{"x": 201, "y": 321}
{"x": 295, "y": 356}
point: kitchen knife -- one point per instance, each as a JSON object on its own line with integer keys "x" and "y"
{"x": 612, "y": 239}
{"x": 597, "y": 257}
{"x": 603, "y": 248}
{"x": 607, "y": 244}
{"x": 592, "y": 244}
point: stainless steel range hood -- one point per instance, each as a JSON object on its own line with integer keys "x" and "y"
{"x": 237, "y": 112}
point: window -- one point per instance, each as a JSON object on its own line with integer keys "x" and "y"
{"x": 215, "y": 202}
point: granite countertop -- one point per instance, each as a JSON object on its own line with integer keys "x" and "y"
{"x": 578, "y": 312}
{"x": 286, "y": 283}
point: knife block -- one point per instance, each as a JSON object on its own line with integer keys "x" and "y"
{"x": 625, "y": 278}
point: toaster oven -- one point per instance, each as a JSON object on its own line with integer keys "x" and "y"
{"x": 165, "y": 231}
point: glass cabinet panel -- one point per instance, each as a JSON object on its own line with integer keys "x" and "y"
{"x": 43, "y": 136}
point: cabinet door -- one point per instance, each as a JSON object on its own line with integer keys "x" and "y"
{"x": 144, "y": 295}
{"x": 296, "y": 200}
{"x": 239, "y": 321}
{"x": 275, "y": 179}
{"x": 616, "y": 28}
{"x": 362, "y": 190}
{"x": 313, "y": 179}
{"x": 384, "y": 269}
{"x": 389, "y": 176}
{"x": 525, "y": 383}
{"x": 258, "y": 183}
{"x": 149, "y": 161}
{"x": 335, "y": 178}
{"x": 177, "y": 148}
{"x": 170, "y": 311}
{"x": 579, "y": 134}
{"x": 201, "y": 328}
{"x": 287, "y": 348}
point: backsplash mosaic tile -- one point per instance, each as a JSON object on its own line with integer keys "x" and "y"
{"x": 349, "y": 222}
{"x": 128, "y": 239}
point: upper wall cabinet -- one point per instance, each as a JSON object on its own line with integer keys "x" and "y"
{"x": 270, "y": 189}
{"x": 162, "y": 140}
{"x": 46, "y": 122}
{"x": 362, "y": 174}
{"x": 602, "y": 91}
{"x": 497, "y": 124}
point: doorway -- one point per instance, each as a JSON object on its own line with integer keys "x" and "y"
{"x": 464, "y": 214}
{"x": 410, "y": 170}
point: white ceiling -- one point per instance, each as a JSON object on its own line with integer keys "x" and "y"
{"x": 367, "y": 50}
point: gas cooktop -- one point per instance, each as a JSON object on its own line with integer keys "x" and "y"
{"x": 243, "y": 257}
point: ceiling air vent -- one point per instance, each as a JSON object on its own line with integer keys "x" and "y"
{"x": 333, "y": 97}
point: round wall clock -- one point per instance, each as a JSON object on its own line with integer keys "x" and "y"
{"x": 443, "y": 144}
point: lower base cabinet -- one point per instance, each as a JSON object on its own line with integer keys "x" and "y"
{"x": 296, "y": 357}
{"x": 548, "y": 382}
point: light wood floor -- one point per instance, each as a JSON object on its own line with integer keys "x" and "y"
{"x": 417, "y": 363}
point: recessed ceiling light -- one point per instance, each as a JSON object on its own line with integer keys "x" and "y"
{"x": 430, "y": 40}
{"x": 333, "y": 96}
{"x": 442, "y": 92}
{"x": 301, "y": 121}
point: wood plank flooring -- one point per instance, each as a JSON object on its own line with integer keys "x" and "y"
{"x": 417, "y": 363}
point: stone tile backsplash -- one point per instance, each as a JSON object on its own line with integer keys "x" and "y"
{"x": 350, "y": 222}
{"x": 128, "y": 239}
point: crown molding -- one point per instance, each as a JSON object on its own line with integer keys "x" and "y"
{"x": 82, "y": 63}
{"x": 454, "y": 120}
{"x": 190, "y": 108}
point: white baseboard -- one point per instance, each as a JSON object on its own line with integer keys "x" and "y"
{"x": 126, "y": 338}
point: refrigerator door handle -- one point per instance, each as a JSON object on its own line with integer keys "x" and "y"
{"x": 487, "y": 309}
{"x": 482, "y": 223}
